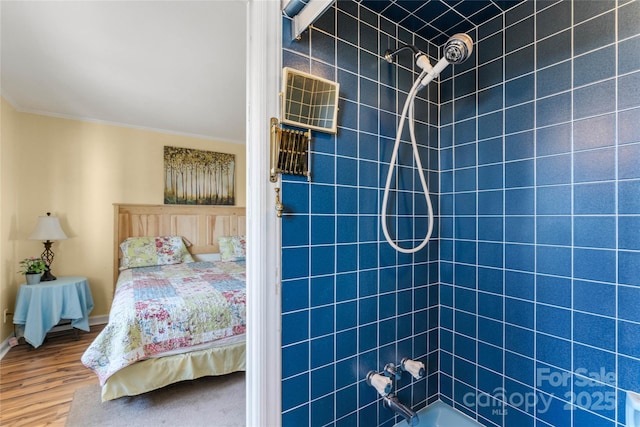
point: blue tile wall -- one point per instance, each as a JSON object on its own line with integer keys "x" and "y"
{"x": 557, "y": 219}
{"x": 350, "y": 303}
{"x": 525, "y": 306}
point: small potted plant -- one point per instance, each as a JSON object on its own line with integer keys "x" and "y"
{"x": 33, "y": 268}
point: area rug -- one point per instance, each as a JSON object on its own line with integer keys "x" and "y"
{"x": 209, "y": 401}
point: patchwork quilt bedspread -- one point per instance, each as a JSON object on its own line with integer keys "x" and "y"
{"x": 168, "y": 308}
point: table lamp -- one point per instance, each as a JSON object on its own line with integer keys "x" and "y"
{"x": 48, "y": 229}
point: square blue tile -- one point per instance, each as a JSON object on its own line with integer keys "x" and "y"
{"x": 490, "y": 331}
{"x": 322, "y": 351}
{"x": 519, "y": 201}
{"x": 490, "y": 228}
{"x": 347, "y": 227}
{"x": 553, "y": 110}
{"x": 519, "y": 35}
{"x": 465, "y": 203}
{"x": 520, "y": 341}
{"x": 553, "y": 321}
{"x": 490, "y": 125}
{"x": 465, "y": 179}
{"x": 295, "y": 263}
{"x": 295, "y": 359}
{"x": 594, "y": 132}
{"x": 322, "y": 321}
{"x": 629, "y": 197}
{"x": 519, "y": 313}
{"x": 346, "y": 286}
{"x": 553, "y": 19}
{"x": 490, "y": 280}
{"x": 519, "y": 90}
{"x": 520, "y": 257}
{"x": 519, "y": 174}
{"x": 490, "y": 177}
{"x": 491, "y": 202}
{"x": 594, "y": 33}
{"x": 598, "y": 98}
{"x": 629, "y": 268}
{"x": 597, "y": 198}
{"x": 595, "y": 232}
{"x": 553, "y": 290}
{"x": 553, "y": 230}
{"x": 554, "y": 351}
{"x": 593, "y": 330}
{"x": 594, "y": 66}
{"x": 490, "y": 254}
{"x": 553, "y": 260}
{"x": 554, "y": 79}
{"x": 628, "y": 160}
{"x": 519, "y": 229}
{"x": 629, "y": 338}
{"x": 553, "y": 50}
{"x": 554, "y": 139}
{"x": 464, "y": 131}
{"x": 490, "y": 73}
{"x": 322, "y": 229}
{"x": 490, "y": 99}
{"x": 322, "y": 381}
{"x": 553, "y": 170}
{"x": 519, "y": 62}
{"x": 323, "y": 259}
{"x": 593, "y": 264}
{"x": 628, "y": 298}
{"x": 594, "y": 165}
{"x": 519, "y": 146}
{"x": 519, "y": 285}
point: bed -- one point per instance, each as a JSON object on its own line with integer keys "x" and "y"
{"x": 179, "y": 307}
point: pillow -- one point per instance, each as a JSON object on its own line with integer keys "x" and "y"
{"x": 148, "y": 251}
{"x": 232, "y": 248}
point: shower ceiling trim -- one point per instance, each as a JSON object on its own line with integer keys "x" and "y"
{"x": 438, "y": 20}
{"x": 304, "y": 13}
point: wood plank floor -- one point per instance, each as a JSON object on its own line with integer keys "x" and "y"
{"x": 37, "y": 385}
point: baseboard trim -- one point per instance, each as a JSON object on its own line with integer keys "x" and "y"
{"x": 96, "y": 320}
{"x": 5, "y": 347}
{"x": 99, "y": 320}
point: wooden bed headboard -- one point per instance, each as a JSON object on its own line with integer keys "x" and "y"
{"x": 199, "y": 225}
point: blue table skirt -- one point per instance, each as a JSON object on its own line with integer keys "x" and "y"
{"x": 41, "y": 306}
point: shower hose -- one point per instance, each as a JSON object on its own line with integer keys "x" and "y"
{"x": 408, "y": 108}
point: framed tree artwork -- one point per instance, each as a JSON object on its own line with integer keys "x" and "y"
{"x": 198, "y": 177}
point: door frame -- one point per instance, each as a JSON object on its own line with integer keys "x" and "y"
{"x": 263, "y": 386}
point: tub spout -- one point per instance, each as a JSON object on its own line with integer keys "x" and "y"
{"x": 391, "y": 402}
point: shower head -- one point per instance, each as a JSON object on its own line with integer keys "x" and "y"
{"x": 458, "y": 48}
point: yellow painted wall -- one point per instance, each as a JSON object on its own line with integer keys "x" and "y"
{"x": 77, "y": 170}
{"x": 8, "y": 215}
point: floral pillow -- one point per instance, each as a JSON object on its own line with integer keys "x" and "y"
{"x": 232, "y": 248}
{"x": 149, "y": 251}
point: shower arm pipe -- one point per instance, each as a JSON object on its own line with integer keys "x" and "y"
{"x": 408, "y": 103}
{"x": 390, "y": 54}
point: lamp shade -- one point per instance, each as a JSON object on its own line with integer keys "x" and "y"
{"x": 48, "y": 228}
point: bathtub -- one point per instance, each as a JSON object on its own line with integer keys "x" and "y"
{"x": 439, "y": 414}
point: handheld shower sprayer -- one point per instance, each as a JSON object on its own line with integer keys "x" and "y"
{"x": 456, "y": 50}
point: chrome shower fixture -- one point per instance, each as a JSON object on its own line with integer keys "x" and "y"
{"x": 390, "y": 54}
{"x": 458, "y": 48}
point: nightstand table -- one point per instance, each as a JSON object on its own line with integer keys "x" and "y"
{"x": 42, "y": 306}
